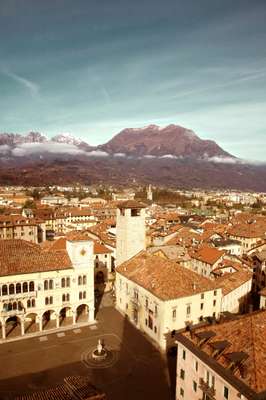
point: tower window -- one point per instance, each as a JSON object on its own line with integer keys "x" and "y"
{"x": 135, "y": 212}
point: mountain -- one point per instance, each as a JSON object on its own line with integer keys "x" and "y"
{"x": 171, "y": 156}
{"x": 13, "y": 139}
{"x": 156, "y": 141}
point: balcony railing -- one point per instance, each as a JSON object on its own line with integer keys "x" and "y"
{"x": 18, "y": 296}
{"x": 207, "y": 389}
{"x": 12, "y": 313}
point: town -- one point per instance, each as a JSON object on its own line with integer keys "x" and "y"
{"x": 110, "y": 292}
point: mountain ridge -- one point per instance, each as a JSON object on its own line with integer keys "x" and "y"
{"x": 169, "y": 156}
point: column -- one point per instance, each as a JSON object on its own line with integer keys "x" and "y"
{"x": 57, "y": 321}
{"x": 22, "y": 328}
{"x": 91, "y": 314}
{"x": 40, "y": 322}
{"x": 74, "y": 315}
{"x": 3, "y": 329}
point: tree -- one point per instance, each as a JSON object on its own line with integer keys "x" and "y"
{"x": 29, "y": 204}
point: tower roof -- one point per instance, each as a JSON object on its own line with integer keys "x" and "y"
{"x": 131, "y": 204}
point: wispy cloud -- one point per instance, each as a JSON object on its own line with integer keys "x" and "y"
{"x": 31, "y": 86}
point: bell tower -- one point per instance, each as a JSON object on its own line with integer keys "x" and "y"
{"x": 130, "y": 230}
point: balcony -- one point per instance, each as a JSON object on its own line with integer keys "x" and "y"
{"x": 18, "y": 296}
{"x": 207, "y": 389}
{"x": 12, "y": 313}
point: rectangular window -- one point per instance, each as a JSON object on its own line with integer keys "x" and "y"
{"x": 201, "y": 306}
{"x": 194, "y": 386}
{"x": 215, "y": 293}
{"x": 156, "y": 310}
{"x": 214, "y": 303}
{"x": 202, "y": 296}
{"x": 182, "y": 392}
{"x": 184, "y": 355}
{"x": 182, "y": 374}
{"x": 174, "y": 314}
{"x": 188, "y": 310}
{"x": 196, "y": 365}
{"x": 226, "y": 392}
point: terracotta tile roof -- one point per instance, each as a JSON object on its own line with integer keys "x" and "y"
{"x": 17, "y": 220}
{"x": 248, "y": 230}
{"x": 22, "y": 257}
{"x": 245, "y": 334}
{"x": 77, "y": 236}
{"x": 60, "y": 244}
{"x": 231, "y": 281}
{"x": 74, "y": 387}
{"x": 164, "y": 278}
{"x": 100, "y": 248}
{"x": 207, "y": 254}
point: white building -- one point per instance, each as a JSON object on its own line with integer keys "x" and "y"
{"x": 225, "y": 361}
{"x": 130, "y": 230}
{"x": 159, "y": 296}
{"x": 42, "y": 288}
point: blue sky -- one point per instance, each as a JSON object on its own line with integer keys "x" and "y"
{"x": 92, "y": 68}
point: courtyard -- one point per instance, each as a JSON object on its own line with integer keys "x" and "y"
{"x": 136, "y": 370}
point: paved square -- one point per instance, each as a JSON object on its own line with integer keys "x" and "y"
{"x": 136, "y": 369}
{"x": 93, "y": 327}
{"x": 43, "y": 339}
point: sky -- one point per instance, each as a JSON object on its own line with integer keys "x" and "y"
{"x": 94, "y": 67}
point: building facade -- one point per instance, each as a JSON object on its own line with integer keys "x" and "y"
{"x": 41, "y": 289}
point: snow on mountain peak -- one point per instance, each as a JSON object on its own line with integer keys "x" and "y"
{"x": 66, "y": 138}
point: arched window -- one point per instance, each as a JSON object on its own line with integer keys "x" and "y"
{"x": 84, "y": 295}
{"x": 64, "y": 297}
{"x": 45, "y": 285}
{"x": 28, "y": 304}
{"x": 80, "y": 280}
{"x": 63, "y": 282}
{"x": 68, "y": 282}
{"x": 33, "y": 302}
{"x": 46, "y": 301}
{"x": 51, "y": 300}
{"x": 15, "y": 306}
{"x": 18, "y": 288}
{"x": 20, "y": 306}
{"x": 84, "y": 279}
{"x": 80, "y": 295}
{"x": 9, "y": 307}
{"x": 51, "y": 284}
{"x": 5, "y": 307}
{"x": 31, "y": 286}
{"x": 4, "y": 290}
{"x": 68, "y": 297}
{"x": 11, "y": 289}
{"x": 25, "y": 287}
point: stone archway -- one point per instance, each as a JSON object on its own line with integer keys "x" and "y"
{"x": 82, "y": 313}
{"x": 12, "y": 326}
{"x": 31, "y": 323}
{"x": 65, "y": 316}
{"x": 49, "y": 320}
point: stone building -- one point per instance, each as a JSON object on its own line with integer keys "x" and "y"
{"x": 41, "y": 289}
